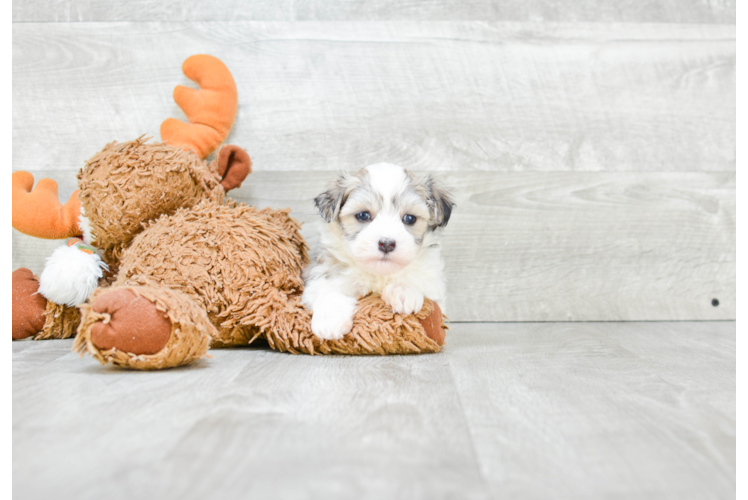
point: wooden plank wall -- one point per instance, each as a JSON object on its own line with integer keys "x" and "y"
{"x": 739, "y": 206}
{"x": 641, "y": 11}
{"x": 592, "y": 156}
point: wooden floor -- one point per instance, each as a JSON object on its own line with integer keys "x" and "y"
{"x": 513, "y": 410}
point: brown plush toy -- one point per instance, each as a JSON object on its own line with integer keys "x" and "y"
{"x": 166, "y": 268}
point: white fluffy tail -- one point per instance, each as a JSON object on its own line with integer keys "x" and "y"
{"x": 71, "y": 274}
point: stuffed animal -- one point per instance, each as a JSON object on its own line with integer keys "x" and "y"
{"x": 159, "y": 267}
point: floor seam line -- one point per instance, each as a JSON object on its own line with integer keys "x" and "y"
{"x": 471, "y": 440}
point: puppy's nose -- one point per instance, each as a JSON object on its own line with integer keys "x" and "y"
{"x": 386, "y": 246}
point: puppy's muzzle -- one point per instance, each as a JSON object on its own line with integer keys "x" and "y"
{"x": 386, "y": 246}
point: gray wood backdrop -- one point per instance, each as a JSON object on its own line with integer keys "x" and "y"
{"x": 591, "y": 148}
{"x": 637, "y": 11}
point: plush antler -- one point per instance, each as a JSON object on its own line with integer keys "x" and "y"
{"x": 211, "y": 109}
{"x": 39, "y": 212}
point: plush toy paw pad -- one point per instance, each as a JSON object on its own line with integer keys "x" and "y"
{"x": 28, "y": 305}
{"x": 134, "y": 325}
{"x": 432, "y": 324}
{"x": 402, "y": 299}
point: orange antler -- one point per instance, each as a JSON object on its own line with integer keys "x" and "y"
{"x": 39, "y": 212}
{"x": 211, "y": 109}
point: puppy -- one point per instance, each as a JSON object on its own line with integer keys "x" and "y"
{"x": 381, "y": 236}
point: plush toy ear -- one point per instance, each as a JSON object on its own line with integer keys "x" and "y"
{"x": 39, "y": 212}
{"x": 234, "y": 165}
{"x": 210, "y": 110}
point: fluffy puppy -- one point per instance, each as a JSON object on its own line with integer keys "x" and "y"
{"x": 381, "y": 237}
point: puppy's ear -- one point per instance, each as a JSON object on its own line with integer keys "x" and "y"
{"x": 331, "y": 201}
{"x": 441, "y": 202}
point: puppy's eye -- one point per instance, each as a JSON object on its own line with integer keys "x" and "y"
{"x": 409, "y": 219}
{"x": 363, "y": 216}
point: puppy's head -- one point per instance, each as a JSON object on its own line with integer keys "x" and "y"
{"x": 383, "y": 213}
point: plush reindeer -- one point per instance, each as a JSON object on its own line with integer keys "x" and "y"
{"x": 122, "y": 187}
{"x": 158, "y": 267}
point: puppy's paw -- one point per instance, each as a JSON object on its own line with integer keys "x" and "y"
{"x": 332, "y": 317}
{"x": 402, "y": 298}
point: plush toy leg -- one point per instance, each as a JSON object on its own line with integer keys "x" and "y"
{"x": 60, "y": 322}
{"x": 28, "y": 304}
{"x": 33, "y": 315}
{"x": 376, "y": 330}
{"x": 143, "y": 328}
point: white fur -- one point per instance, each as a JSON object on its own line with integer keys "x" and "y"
{"x": 333, "y": 316}
{"x": 70, "y": 276}
{"x": 350, "y": 264}
{"x": 85, "y": 226}
{"x": 386, "y": 179}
